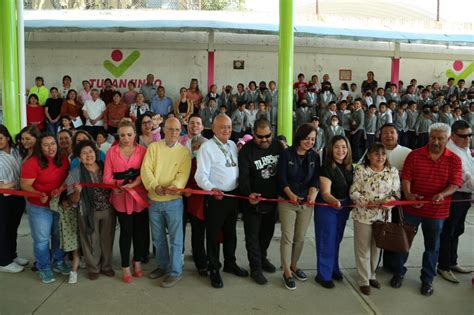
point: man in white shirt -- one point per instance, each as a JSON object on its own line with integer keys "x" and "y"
{"x": 396, "y": 155}
{"x": 93, "y": 110}
{"x": 218, "y": 171}
{"x": 453, "y": 228}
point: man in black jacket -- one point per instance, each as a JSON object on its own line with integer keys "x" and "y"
{"x": 257, "y": 178}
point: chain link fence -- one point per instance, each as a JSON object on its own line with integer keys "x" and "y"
{"x": 212, "y": 5}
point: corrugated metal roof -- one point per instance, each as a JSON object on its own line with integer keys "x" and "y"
{"x": 219, "y": 22}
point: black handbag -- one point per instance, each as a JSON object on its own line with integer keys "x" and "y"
{"x": 395, "y": 237}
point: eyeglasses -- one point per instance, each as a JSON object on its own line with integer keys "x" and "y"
{"x": 469, "y": 135}
{"x": 263, "y": 136}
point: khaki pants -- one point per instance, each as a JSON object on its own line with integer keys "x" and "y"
{"x": 366, "y": 253}
{"x": 97, "y": 248}
{"x": 294, "y": 221}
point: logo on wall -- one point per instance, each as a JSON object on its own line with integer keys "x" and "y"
{"x": 119, "y": 67}
{"x": 462, "y": 72}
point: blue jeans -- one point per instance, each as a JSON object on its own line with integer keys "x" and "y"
{"x": 329, "y": 225}
{"x": 431, "y": 234}
{"x": 52, "y": 129}
{"x": 44, "y": 225}
{"x": 167, "y": 215}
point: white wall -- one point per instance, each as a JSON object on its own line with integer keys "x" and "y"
{"x": 175, "y": 67}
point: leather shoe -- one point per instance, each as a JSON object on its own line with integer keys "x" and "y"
{"x": 236, "y": 270}
{"x": 325, "y": 284}
{"x": 258, "y": 277}
{"x": 337, "y": 276}
{"x": 448, "y": 275}
{"x": 93, "y": 275}
{"x": 459, "y": 269}
{"x": 108, "y": 273}
{"x": 396, "y": 281}
{"x": 216, "y": 279}
{"x": 268, "y": 266}
{"x": 426, "y": 289}
{"x": 365, "y": 289}
{"x": 375, "y": 284}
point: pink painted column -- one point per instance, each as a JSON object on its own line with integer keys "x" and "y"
{"x": 395, "y": 74}
{"x": 210, "y": 68}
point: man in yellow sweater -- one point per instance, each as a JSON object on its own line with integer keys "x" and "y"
{"x": 165, "y": 168}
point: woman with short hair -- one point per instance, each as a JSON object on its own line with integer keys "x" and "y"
{"x": 298, "y": 172}
{"x": 96, "y": 215}
{"x": 375, "y": 182}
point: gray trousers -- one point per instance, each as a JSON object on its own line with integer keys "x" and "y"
{"x": 97, "y": 247}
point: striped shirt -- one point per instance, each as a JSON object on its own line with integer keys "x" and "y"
{"x": 428, "y": 178}
{"x": 10, "y": 165}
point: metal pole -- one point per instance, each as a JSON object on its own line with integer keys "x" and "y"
{"x": 437, "y": 10}
{"x": 285, "y": 70}
{"x": 11, "y": 105}
{"x": 21, "y": 62}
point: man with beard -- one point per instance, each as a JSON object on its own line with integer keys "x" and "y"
{"x": 431, "y": 173}
{"x": 195, "y": 127}
{"x": 257, "y": 178}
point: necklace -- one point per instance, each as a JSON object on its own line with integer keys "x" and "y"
{"x": 229, "y": 160}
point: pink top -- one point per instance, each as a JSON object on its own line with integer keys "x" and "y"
{"x": 129, "y": 97}
{"x": 116, "y": 162}
{"x": 85, "y": 96}
{"x": 156, "y": 134}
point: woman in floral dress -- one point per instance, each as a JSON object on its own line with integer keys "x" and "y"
{"x": 375, "y": 183}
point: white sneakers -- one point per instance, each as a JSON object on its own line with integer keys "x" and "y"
{"x": 72, "y": 277}
{"x": 12, "y": 268}
{"x": 21, "y": 261}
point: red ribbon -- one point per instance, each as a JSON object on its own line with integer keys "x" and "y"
{"x": 386, "y": 204}
{"x": 145, "y": 204}
{"x": 14, "y": 192}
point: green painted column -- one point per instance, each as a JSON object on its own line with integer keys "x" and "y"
{"x": 285, "y": 70}
{"x": 9, "y": 61}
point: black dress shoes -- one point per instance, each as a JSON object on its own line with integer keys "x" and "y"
{"x": 216, "y": 279}
{"x": 236, "y": 270}
{"x": 268, "y": 266}
{"x": 426, "y": 288}
{"x": 396, "y": 281}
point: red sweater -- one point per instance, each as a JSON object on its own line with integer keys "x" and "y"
{"x": 195, "y": 204}
{"x": 35, "y": 115}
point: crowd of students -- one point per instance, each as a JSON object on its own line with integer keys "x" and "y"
{"x": 149, "y": 161}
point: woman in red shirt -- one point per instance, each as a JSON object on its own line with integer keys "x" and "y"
{"x": 35, "y": 113}
{"x": 43, "y": 173}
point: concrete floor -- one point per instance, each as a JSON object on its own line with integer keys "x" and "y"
{"x": 23, "y": 293}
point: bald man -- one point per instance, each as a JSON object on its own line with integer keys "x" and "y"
{"x": 166, "y": 167}
{"x": 218, "y": 171}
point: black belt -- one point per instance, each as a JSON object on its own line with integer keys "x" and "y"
{"x": 462, "y": 193}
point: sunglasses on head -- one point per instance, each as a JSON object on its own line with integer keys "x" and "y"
{"x": 263, "y": 136}
{"x": 464, "y": 136}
